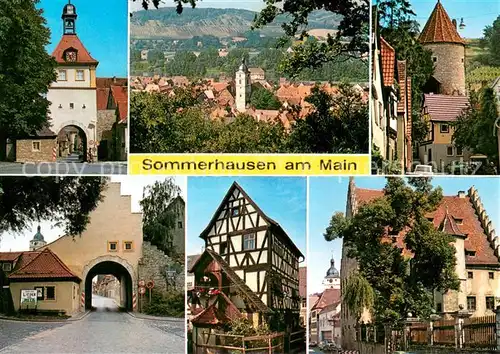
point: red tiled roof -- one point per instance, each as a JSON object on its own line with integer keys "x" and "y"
{"x": 444, "y": 108}
{"x": 402, "y": 86}
{"x": 439, "y": 28}
{"x": 388, "y": 59}
{"x": 120, "y": 95}
{"x": 45, "y": 265}
{"x": 9, "y": 256}
{"x": 217, "y": 315}
{"x": 72, "y": 41}
{"x": 26, "y": 258}
{"x": 303, "y": 282}
{"x": 328, "y": 297}
{"x": 331, "y": 307}
{"x": 102, "y": 98}
{"x": 450, "y": 226}
{"x": 457, "y": 208}
{"x": 107, "y": 82}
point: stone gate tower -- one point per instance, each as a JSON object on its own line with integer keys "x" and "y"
{"x": 243, "y": 87}
{"x": 440, "y": 35}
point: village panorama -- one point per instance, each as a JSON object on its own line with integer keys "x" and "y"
{"x": 204, "y": 81}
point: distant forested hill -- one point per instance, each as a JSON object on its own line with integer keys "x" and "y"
{"x": 166, "y": 23}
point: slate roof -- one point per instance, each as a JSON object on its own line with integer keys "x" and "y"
{"x": 388, "y": 59}
{"x": 457, "y": 208}
{"x": 439, "y": 28}
{"x": 46, "y": 265}
{"x": 444, "y": 108}
{"x": 72, "y": 41}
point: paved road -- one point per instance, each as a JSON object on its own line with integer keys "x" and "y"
{"x": 103, "y": 331}
{"x": 102, "y": 168}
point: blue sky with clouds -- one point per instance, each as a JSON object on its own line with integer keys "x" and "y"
{"x": 281, "y": 198}
{"x": 329, "y": 195}
{"x": 102, "y": 26}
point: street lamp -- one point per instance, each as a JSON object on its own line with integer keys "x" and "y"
{"x": 462, "y": 24}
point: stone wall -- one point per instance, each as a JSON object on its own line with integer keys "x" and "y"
{"x": 153, "y": 266}
{"x": 25, "y": 153}
{"x": 105, "y": 121}
{"x": 449, "y": 67}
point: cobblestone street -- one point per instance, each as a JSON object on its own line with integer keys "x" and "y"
{"x": 103, "y": 331}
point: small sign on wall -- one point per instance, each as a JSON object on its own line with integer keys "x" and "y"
{"x": 28, "y": 298}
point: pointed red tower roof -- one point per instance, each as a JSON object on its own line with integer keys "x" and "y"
{"x": 439, "y": 28}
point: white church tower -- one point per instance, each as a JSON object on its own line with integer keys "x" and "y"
{"x": 332, "y": 278}
{"x": 38, "y": 240}
{"x": 73, "y": 95}
{"x": 243, "y": 87}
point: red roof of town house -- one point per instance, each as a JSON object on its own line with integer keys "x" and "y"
{"x": 328, "y": 297}
{"x": 388, "y": 59}
{"x": 107, "y": 82}
{"x": 458, "y": 208}
{"x": 45, "y": 265}
{"x": 9, "y": 256}
{"x": 26, "y": 257}
{"x": 120, "y": 95}
{"x": 72, "y": 41}
{"x": 444, "y": 108}
{"x": 439, "y": 28}
{"x": 102, "y": 98}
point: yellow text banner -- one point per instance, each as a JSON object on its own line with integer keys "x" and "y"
{"x": 249, "y": 164}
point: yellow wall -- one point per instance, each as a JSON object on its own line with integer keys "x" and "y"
{"x": 442, "y": 138}
{"x": 93, "y": 82}
{"x": 67, "y": 295}
{"x": 112, "y": 220}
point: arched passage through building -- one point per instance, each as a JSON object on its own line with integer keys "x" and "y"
{"x": 117, "y": 270}
{"x": 72, "y": 144}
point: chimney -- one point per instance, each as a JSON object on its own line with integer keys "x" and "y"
{"x": 454, "y": 23}
{"x": 461, "y": 194}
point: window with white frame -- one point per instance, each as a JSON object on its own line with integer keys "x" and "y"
{"x": 249, "y": 242}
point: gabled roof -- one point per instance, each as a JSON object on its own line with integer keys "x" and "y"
{"x": 331, "y": 307}
{"x": 72, "y": 41}
{"x": 220, "y": 312}
{"x": 328, "y": 297}
{"x": 46, "y": 265}
{"x": 388, "y": 60}
{"x": 102, "y": 98}
{"x": 439, "y": 28}
{"x": 276, "y": 227}
{"x": 450, "y": 226}
{"x": 457, "y": 208}
{"x": 444, "y": 108}
{"x": 244, "y": 290}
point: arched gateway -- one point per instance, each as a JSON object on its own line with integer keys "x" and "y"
{"x": 111, "y": 245}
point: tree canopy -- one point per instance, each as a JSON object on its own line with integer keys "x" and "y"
{"x": 65, "y": 200}
{"x": 26, "y": 69}
{"x": 402, "y": 282}
{"x": 264, "y": 99}
{"x": 159, "y": 215}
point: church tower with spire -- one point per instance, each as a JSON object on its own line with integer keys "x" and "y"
{"x": 243, "y": 87}
{"x": 38, "y": 240}
{"x": 332, "y": 278}
{"x": 441, "y": 37}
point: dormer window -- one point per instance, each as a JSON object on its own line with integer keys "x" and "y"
{"x": 470, "y": 253}
{"x": 7, "y": 267}
{"x": 431, "y": 219}
{"x": 459, "y": 221}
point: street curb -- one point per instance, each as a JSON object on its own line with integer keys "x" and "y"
{"x": 7, "y": 318}
{"x": 154, "y": 318}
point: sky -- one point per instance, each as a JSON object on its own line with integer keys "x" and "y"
{"x": 131, "y": 185}
{"x": 476, "y": 14}
{"x": 102, "y": 26}
{"x": 329, "y": 195}
{"x": 283, "y": 199}
{"x": 254, "y": 5}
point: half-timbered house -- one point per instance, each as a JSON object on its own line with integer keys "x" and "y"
{"x": 250, "y": 268}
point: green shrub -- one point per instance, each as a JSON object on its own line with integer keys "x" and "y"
{"x": 169, "y": 304}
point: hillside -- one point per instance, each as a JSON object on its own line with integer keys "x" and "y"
{"x": 166, "y": 23}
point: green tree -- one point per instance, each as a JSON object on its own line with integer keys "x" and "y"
{"x": 26, "y": 69}
{"x": 475, "y": 128}
{"x": 491, "y": 41}
{"x": 338, "y": 124}
{"x": 401, "y": 282}
{"x": 358, "y": 294}
{"x": 65, "y": 200}
{"x": 159, "y": 214}
{"x": 264, "y": 99}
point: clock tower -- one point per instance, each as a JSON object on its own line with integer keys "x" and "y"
{"x": 73, "y": 96}
{"x": 69, "y": 18}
